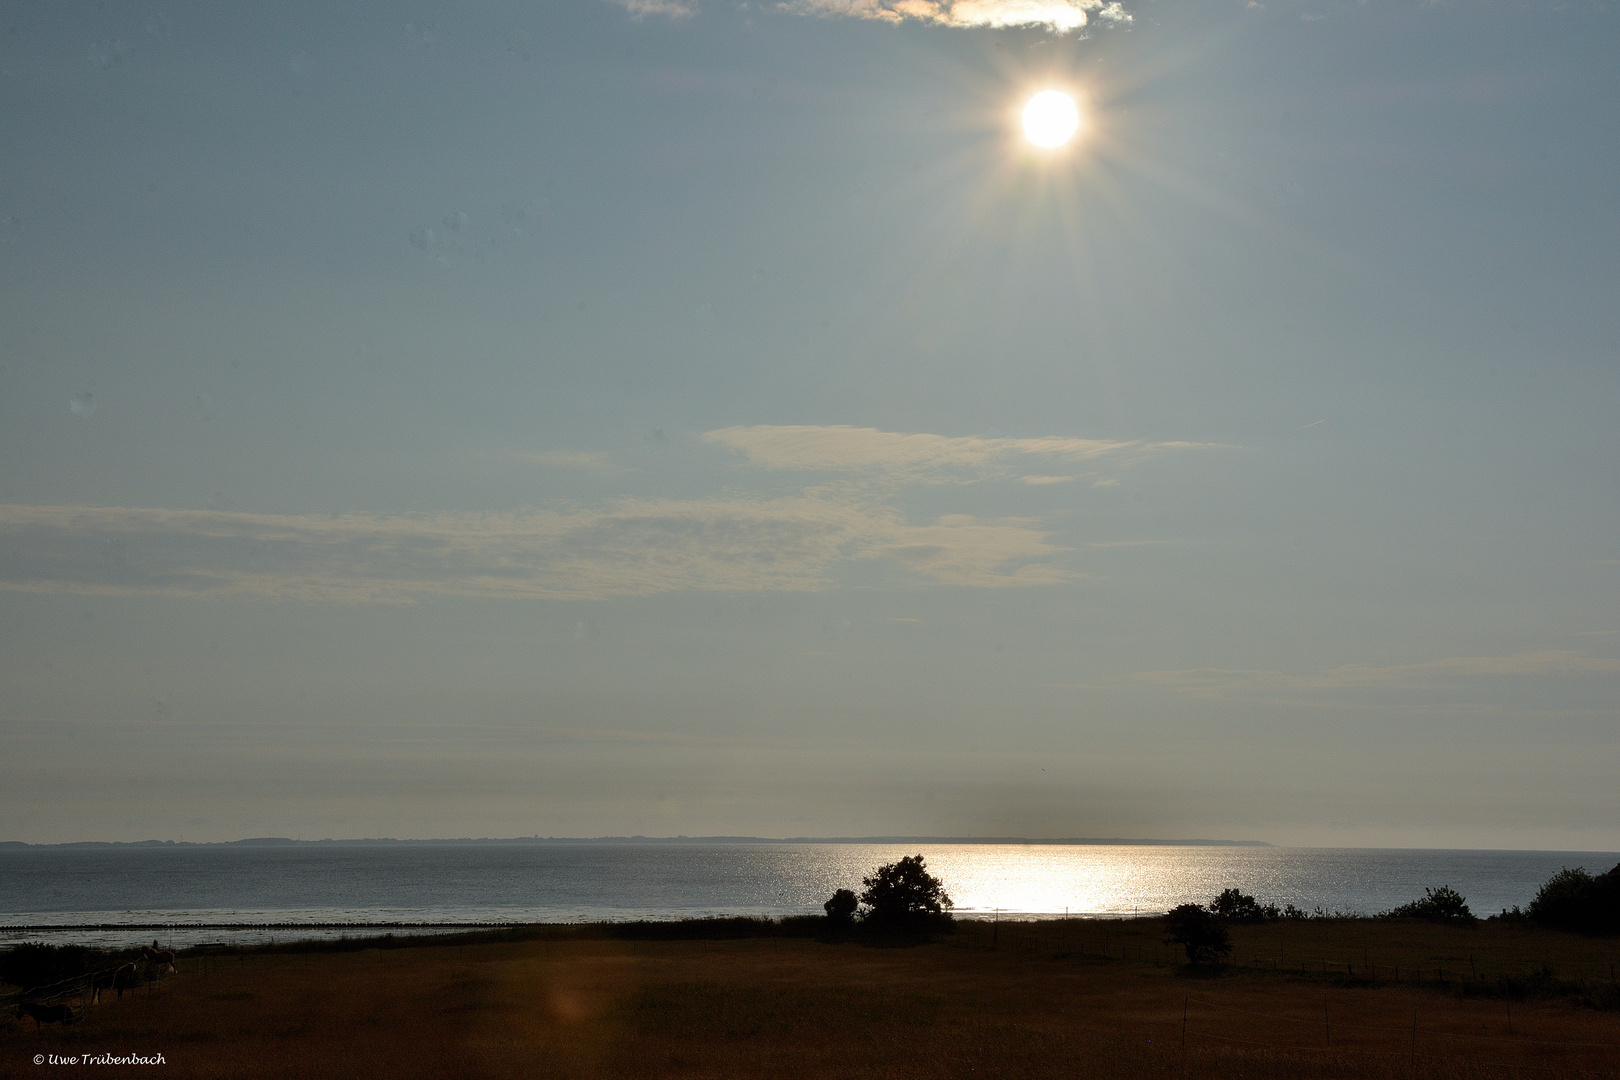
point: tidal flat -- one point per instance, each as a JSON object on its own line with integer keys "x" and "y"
{"x": 741, "y": 998}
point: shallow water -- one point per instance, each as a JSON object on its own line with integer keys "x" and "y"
{"x": 250, "y": 887}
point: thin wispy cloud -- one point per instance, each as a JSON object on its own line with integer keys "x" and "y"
{"x": 561, "y": 459}
{"x": 962, "y": 550}
{"x": 1225, "y": 682}
{"x": 1058, "y": 15}
{"x": 628, "y": 548}
{"x": 669, "y": 9}
{"x": 919, "y": 456}
{"x": 621, "y": 548}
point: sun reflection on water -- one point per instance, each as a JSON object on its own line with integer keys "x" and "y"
{"x": 1051, "y": 879}
{"x": 1091, "y": 879}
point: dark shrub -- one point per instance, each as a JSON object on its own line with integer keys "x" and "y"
{"x": 841, "y": 908}
{"x": 1202, "y": 934}
{"x": 1575, "y": 900}
{"x": 1442, "y": 905}
{"x": 1234, "y": 906}
{"x": 31, "y": 964}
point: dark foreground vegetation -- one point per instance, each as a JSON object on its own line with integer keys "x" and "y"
{"x": 1575, "y": 900}
{"x": 754, "y": 998}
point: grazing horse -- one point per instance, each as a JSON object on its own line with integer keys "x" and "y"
{"x": 159, "y": 957}
{"x": 45, "y": 1014}
{"x": 120, "y": 979}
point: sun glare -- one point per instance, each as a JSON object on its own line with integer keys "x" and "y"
{"x": 1051, "y": 118}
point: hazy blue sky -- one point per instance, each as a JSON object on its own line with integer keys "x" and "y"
{"x": 713, "y": 417}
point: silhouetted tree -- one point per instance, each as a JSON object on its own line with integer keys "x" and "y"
{"x": 1575, "y": 900}
{"x": 1442, "y": 905}
{"x": 904, "y": 893}
{"x": 1201, "y": 933}
{"x": 1234, "y": 906}
{"x": 841, "y": 907}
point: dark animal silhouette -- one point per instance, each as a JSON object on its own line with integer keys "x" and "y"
{"x": 119, "y": 979}
{"x": 159, "y": 957}
{"x": 45, "y": 1014}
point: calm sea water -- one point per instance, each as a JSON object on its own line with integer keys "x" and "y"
{"x": 577, "y": 882}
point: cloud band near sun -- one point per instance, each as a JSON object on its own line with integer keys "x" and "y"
{"x": 920, "y": 456}
{"x": 1058, "y": 15}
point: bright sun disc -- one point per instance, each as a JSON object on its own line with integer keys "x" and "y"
{"x": 1051, "y": 118}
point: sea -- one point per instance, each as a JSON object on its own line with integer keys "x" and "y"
{"x": 185, "y": 895}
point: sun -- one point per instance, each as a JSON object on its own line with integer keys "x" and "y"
{"x": 1050, "y": 119}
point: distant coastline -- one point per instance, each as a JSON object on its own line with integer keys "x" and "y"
{"x": 280, "y": 841}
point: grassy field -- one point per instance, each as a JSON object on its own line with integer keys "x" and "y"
{"x": 1074, "y": 999}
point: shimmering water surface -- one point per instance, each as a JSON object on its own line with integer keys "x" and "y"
{"x": 469, "y": 883}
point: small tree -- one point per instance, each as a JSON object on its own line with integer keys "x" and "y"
{"x": 1442, "y": 905}
{"x": 1202, "y": 934}
{"x": 904, "y": 893}
{"x": 1234, "y": 906}
{"x": 840, "y": 908}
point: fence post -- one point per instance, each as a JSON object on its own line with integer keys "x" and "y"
{"x": 1184, "y": 1002}
{"x": 1414, "y": 1036}
{"x": 1327, "y": 1028}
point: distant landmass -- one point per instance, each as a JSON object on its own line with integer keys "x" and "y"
{"x": 281, "y": 841}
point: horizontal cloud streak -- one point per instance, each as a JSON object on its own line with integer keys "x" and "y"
{"x": 673, "y": 9}
{"x": 918, "y": 456}
{"x": 629, "y": 548}
{"x": 1221, "y": 682}
{"x": 1060, "y": 15}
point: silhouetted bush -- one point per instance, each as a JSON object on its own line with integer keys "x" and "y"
{"x": 1442, "y": 905}
{"x": 1575, "y": 900}
{"x": 841, "y": 907}
{"x": 904, "y": 895}
{"x": 1234, "y": 906}
{"x": 32, "y": 964}
{"x": 1201, "y": 933}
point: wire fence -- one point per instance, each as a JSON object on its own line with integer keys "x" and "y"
{"x": 85, "y": 988}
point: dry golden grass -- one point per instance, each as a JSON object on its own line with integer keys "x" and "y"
{"x": 582, "y": 1004}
